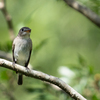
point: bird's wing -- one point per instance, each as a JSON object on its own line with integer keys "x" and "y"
{"x": 26, "y": 64}
{"x": 13, "y": 47}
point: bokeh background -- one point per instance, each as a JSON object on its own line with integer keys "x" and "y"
{"x": 65, "y": 44}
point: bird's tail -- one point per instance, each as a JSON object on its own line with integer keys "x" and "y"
{"x": 20, "y": 79}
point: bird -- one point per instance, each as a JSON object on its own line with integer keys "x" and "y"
{"x": 21, "y": 50}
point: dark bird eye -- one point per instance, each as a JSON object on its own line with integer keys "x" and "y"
{"x": 22, "y": 29}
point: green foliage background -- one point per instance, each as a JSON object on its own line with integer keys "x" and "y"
{"x": 61, "y": 37}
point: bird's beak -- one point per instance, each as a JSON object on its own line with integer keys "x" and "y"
{"x": 28, "y": 31}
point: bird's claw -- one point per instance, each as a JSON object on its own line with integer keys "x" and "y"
{"x": 27, "y": 69}
{"x": 13, "y": 64}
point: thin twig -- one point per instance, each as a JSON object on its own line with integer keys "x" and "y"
{"x": 85, "y": 11}
{"x": 44, "y": 77}
{"x": 8, "y": 18}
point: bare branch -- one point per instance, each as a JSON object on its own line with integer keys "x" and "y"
{"x": 85, "y": 11}
{"x": 44, "y": 77}
{"x": 8, "y": 18}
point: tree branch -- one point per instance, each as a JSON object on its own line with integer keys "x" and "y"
{"x": 8, "y": 18}
{"x": 85, "y": 11}
{"x": 44, "y": 77}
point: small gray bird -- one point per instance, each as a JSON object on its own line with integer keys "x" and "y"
{"x": 21, "y": 49}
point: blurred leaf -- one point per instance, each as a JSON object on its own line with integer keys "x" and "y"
{"x": 30, "y": 90}
{"x": 82, "y": 61}
{"x": 6, "y": 46}
{"x": 94, "y": 97}
{"x": 4, "y": 75}
{"x": 91, "y": 70}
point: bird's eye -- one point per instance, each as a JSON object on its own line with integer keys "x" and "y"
{"x": 22, "y": 29}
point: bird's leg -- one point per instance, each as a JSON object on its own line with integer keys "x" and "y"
{"x": 27, "y": 69}
{"x": 13, "y": 64}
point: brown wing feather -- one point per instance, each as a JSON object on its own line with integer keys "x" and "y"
{"x": 26, "y": 64}
{"x": 13, "y": 47}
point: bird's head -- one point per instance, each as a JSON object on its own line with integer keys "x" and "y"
{"x": 24, "y": 32}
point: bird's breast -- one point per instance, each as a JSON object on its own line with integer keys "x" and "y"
{"x": 21, "y": 52}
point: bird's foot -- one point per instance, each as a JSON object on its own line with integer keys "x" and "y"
{"x": 27, "y": 69}
{"x": 13, "y": 64}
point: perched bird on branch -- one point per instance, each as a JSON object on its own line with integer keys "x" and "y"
{"x": 21, "y": 49}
